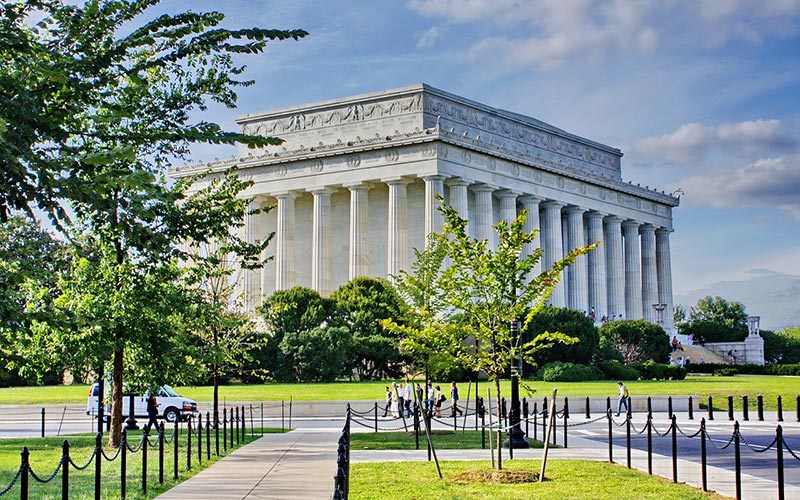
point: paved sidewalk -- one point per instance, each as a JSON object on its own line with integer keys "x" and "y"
{"x": 298, "y": 464}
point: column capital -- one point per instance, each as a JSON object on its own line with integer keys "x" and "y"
{"x": 431, "y": 178}
{"x": 630, "y": 223}
{"x": 287, "y": 195}
{"x": 397, "y": 181}
{"x": 531, "y": 198}
{"x": 457, "y": 181}
{"x": 483, "y": 188}
{"x": 322, "y": 190}
{"x": 571, "y": 209}
{"x": 595, "y": 214}
{"x": 664, "y": 231}
{"x": 646, "y": 228}
{"x": 507, "y": 193}
{"x": 553, "y": 204}
{"x": 359, "y": 186}
{"x": 614, "y": 219}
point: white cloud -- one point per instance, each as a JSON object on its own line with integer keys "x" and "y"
{"x": 428, "y": 38}
{"x": 692, "y": 142}
{"x": 548, "y": 34}
{"x": 768, "y": 182}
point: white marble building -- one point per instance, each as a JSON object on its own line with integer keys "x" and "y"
{"x": 355, "y": 181}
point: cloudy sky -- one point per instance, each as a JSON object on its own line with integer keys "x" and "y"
{"x": 701, "y": 95}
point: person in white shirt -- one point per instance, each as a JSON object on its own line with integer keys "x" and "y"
{"x": 408, "y": 396}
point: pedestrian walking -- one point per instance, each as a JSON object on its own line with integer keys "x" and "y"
{"x": 624, "y": 398}
{"x": 454, "y": 398}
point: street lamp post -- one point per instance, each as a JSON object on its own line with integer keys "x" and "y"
{"x": 660, "y": 312}
{"x": 516, "y": 438}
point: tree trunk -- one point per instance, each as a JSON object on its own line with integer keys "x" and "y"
{"x": 499, "y": 425}
{"x": 115, "y": 436}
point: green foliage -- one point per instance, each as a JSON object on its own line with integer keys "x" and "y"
{"x": 746, "y": 369}
{"x": 782, "y": 346}
{"x": 615, "y": 370}
{"x": 714, "y": 319}
{"x": 361, "y": 305}
{"x": 607, "y": 351}
{"x": 442, "y": 366}
{"x": 638, "y": 340}
{"x": 569, "y": 372}
{"x": 318, "y": 355}
{"x": 569, "y": 322}
{"x": 651, "y": 370}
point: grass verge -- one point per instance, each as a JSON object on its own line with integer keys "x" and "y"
{"x": 442, "y": 440}
{"x": 717, "y": 387}
{"x": 473, "y": 480}
{"x": 45, "y": 454}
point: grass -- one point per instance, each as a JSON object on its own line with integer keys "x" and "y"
{"x": 472, "y": 480}
{"x": 718, "y": 387}
{"x": 45, "y": 454}
{"x": 442, "y": 440}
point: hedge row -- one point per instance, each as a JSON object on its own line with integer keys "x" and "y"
{"x": 725, "y": 369}
{"x": 609, "y": 370}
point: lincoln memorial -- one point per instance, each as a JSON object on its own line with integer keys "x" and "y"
{"x": 356, "y": 180}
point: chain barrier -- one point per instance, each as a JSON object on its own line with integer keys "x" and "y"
{"x": 110, "y": 459}
{"x": 723, "y": 447}
{"x": 756, "y": 448}
{"x": 12, "y": 483}
{"x": 87, "y": 464}
{"x": 786, "y": 447}
{"x": 50, "y": 477}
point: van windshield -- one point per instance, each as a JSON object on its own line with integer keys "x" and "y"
{"x": 170, "y": 391}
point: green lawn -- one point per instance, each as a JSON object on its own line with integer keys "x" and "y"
{"x": 46, "y": 452}
{"x": 442, "y": 440}
{"x": 718, "y": 387}
{"x": 572, "y": 479}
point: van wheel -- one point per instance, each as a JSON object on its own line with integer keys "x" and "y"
{"x": 171, "y": 415}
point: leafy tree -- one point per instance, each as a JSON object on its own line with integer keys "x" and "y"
{"x": 287, "y": 312}
{"x": 714, "y": 319}
{"x": 569, "y": 322}
{"x": 638, "y": 340}
{"x": 782, "y": 346}
{"x": 705, "y": 330}
{"x": 101, "y": 105}
{"x": 361, "y": 305}
{"x": 317, "y": 355}
{"x": 477, "y": 295}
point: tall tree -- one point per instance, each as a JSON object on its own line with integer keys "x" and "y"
{"x": 101, "y": 105}
{"x": 477, "y": 294}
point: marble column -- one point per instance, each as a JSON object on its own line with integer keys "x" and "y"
{"x": 252, "y": 277}
{"x": 598, "y": 295}
{"x": 649, "y": 273}
{"x": 577, "y": 273}
{"x": 530, "y": 204}
{"x": 484, "y": 213}
{"x": 358, "y": 257}
{"x": 321, "y": 258}
{"x": 633, "y": 270}
{"x": 459, "y": 197}
{"x": 285, "y": 245}
{"x": 508, "y": 205}
{"x": 664, "y": 271}
{"x": 553, "y": 246}
{"x": 434, "y": 188}
{"x": 615, "y": 267}
{"x": 397, "y": 258}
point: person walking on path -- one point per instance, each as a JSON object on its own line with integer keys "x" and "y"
{"x": 624, "y": 398}
{"x": 430, "y": 397}
{"x": 408, "y": 396}
{"x": 454, "y": 397}
{"x": 152, "y": 412}
{"x": 388, "y": 401}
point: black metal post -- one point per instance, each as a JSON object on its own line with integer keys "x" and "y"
{"x": 376, "y": 417}
{"x": 535, "y": 421}
{"x": 703, "y": 461}
{"x": 175, "y": 440}
{"x": 760, "y": 407}
{"x": 737, "y": 461}
{"x": 669, "y": 406}
{"x": 100, "y": 405}
{"x": 516, "y": 438}
{"x": 416, "y": 425}
{"x": 566, "y": 419}
{"x": 161, "y": 453}
{"x": 780, "y": 409}
{"x": 208, "y": 437}
{"x": 779, "y": 448}
{"x": 610, "y": 435}
{"x": 98, "y": 459}
{"x": 225, "y": 430}
{"x": 649, "y": 441}
{"x": 123, "y": 462}
{"x": 798, "y": 407}
{"x": 745, "y": 409}
{"x": 25, "y": 467}
{"x": 588, "y": 410}
{"x": 730, "y": 408}
{"x": 691, "y": 409}
{"x": 238, "y": 423}
{"x": 145, "y": 444}
{"x": 65, "y": 470}
{"x": 189, "y": 444}
{"x": 674, "y": 450}
{"x": 710, "y": 408}
{"x": 216, "y": 431}
{"x": 130, "y": 423}
{"x": 525, "y": 414}
{"x": 42, "y": 422}
{"x": 231, "y": 428}
{"x": 199, "y": 438}
{"x": 483, "y": 430}
{"x": 628, "y": 438}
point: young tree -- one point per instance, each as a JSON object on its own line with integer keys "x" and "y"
{"x": 477, "y": 294}
{"x": 638, "y": 340}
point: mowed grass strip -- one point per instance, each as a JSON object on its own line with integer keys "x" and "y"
{"x": 473, "y": 480}
{"x": 45, "y": 454}
{"x": 717, "y": 387}
{"x": 442, "y": 440}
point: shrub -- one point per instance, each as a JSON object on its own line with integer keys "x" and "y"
{"x": 614, "y": 370}
{"x": 638, "y": 340}
{"x": 569, "y": 322}
{"x": 444, "y": 367}
{"x": 569, "y": 372}
{"x": 607, "y": 351}
{"x": 651, "y": 370}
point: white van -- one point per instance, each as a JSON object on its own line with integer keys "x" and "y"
{"x": 171, "y": 406}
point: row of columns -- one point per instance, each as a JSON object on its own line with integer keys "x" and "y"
{"x": 623, "y": 277}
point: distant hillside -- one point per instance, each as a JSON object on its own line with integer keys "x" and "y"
{"x": 773, "y": 296}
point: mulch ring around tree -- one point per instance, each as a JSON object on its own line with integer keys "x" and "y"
{"x": 497, "y": 477}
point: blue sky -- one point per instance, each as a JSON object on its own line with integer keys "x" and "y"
{"x": 699, "y": 95}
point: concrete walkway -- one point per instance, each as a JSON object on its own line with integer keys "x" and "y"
{"x": 301, "y": 464}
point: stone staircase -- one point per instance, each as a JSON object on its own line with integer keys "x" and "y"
{"x": 697, "y": 352}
